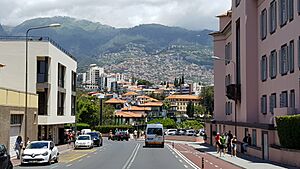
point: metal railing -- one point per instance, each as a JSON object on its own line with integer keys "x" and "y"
{"x": 38, "y": 39}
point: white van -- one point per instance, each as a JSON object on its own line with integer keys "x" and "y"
{"x": 154, "y": 135}
{"x": 84, "y": 131}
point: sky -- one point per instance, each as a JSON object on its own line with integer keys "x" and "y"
{"x": 189, "y": 14}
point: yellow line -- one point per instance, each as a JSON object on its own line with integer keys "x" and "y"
{"x": 76, "y": 158}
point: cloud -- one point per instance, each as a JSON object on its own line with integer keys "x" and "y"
{"x": 190, "y": 14}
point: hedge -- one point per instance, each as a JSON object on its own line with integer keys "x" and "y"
{"x": 80, "y": 126}
{"x": 288, "y": 128}
{"x": 167, "y": 122}
{"x": 106, "y": 128}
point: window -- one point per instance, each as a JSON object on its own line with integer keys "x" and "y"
{"x": 264, "y": 68}
{"x": 73, "y": 81}
{"x": 273, "y": 16}
{"x": 16, "y": 119}
{"x": 228, "y": 108}
{"x": 238, "y": 52}
{"x": 298, "y": 7}
{"x": 291, "y": 56}
{"x": 254, "y": 143}
{"x": 60, "y": 103}
{"x": 61, "y": 75}
{"x": 43, "y": 102}
{"x": 228, "y": 53}
{"x": 292, "y": 99}
{"x": 283, "y": 16}
{"x": 263, "y": 104}
{"x": 263, "y": 24}
{"x": 237, "y": 3}
{"x": 273, "y": 64}
{"x": 283, "y": 65}
{"x": 291, "y": 9}
{"x": 272, "y": 102}
{"x": 227, "y": 80}
{"x": 42, "y": 71}
{"x": 284, "y": 99}
{"x": 73, "y": 105}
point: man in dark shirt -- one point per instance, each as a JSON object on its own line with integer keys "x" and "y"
{"x": 230, "y": 136}
{"x": 247, "y": 142}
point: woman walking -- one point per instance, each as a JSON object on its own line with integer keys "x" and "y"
{"x": 18, "y": 146}
{"x": 233, "y": 145}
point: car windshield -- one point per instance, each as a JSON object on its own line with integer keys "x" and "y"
{"x": 171, "y": 130}
{"x": 2, "y": 149}
{"x": 157, "y": 131}
{"x": 38, "y": 145}
{"x": 83, "y": 138}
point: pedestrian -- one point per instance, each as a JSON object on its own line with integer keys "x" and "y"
{"x": 246, "y": 142}
{"x": 135, "y": 134}
{"x": 218, "y": 143}
{"x": 230, "y": 136}
{"x": 27, "y": 141}
{"x": 18, "y": 146}
{"x": 222, "y": 145}
{"x": 233, "y": 145}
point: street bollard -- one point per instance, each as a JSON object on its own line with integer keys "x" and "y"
{"x": 202, "y": 162}
{"x": 173, "y": 144}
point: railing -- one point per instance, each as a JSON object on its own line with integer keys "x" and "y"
{"x": 37, "y": 38}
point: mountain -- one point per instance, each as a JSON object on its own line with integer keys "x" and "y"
{"x": 92, "y": 42}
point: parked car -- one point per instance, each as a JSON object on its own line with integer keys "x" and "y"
{"x": 84, "y": 131}
{"x": 5, "y": 162}
{"x": 170, "y": 132}
{"x": 97, "y": 138}
{"x": 40, "y": 152}
{"x": 180, "y": 132}
{"x": 190, "y": 133}
{"x": 121, "y": 135}
{"x": 84, "y": 141}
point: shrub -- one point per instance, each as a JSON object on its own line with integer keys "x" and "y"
{"x": 191, "y": 124}
{"x": 167, "y": 122}
{"x": 106, "y": 128}
{"x": 288, "y": 128}
{"x": 80, "y": 126}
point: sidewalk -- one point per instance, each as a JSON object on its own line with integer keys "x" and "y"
{"x": 241, "y": 160}
{"x": 61, "y": 149}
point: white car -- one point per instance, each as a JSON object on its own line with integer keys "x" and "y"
{"x": 190, "y": 133}
{"x": 40, "y": 152}
{"x": 84, "y": 141}
{"x": 171, "y": 132}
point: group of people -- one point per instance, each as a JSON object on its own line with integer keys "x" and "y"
{"x": 228, "y": 143}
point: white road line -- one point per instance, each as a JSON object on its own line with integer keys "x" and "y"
{"x": 206, "y": 161}
{"x": 193, "y": 165}
{"x": 80, "y": 160}
{"x": 88, "y": 156}
{"x": 95, "y": 153}
{"x": 69, "y": 165}
{"x": 132, "y": 154}
{"x": 216, "y": 166}
{"x": 180, "y": 161}
{"x": 210, "y": 163}
{"x": 129, "y": 165}
{"x": 185, "y": 166}
{"x": 176, "y": 156}
{"x": 54, "y": 167}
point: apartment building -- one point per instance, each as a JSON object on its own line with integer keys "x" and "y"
{"x": 181, "y": 102}
{"x": 52, "y": 78}
{"x": 258, "y": 43}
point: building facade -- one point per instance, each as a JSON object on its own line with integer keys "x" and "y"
{"x": 52, "y": 77}
{"x": 181, "y": 102}
{"x": 258, "y": 43}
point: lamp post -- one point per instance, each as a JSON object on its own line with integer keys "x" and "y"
{"x": 235, "y": 90}
{"x": 26, "y": 69}
{"x": 101, "y": 96}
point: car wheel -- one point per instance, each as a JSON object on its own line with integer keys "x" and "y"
{"x": 163, "y": 145}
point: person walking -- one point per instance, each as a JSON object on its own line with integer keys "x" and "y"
{"x": 135, "y": 134}
{"x": 230, "y": 137}
{"x": 233, "y": 145}
{"x": 218, "y": 143}
{"x": 223, "y": 144}
{"x": 18, "y": 146}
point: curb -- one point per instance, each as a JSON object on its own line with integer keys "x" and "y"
{"x": 225, "y": 160}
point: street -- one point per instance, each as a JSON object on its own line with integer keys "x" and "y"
{"x": 123, "y": 155}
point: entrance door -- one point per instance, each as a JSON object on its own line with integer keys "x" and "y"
{"x": 14, "y": 133}
{"x": 265, "y": 146}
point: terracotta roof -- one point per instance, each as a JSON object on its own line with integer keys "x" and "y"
{"x": 130, "y": 94}
{"x": 147, "y": 97}
{"x": 135, "y": 108}
{"x": 115, "y": 101}
{"x": 129, "y": 114}
{"x": 151, "y": 104}
{"x": 184, "y": 97}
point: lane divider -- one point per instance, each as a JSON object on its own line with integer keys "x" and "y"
{"x": 131, "y": 157}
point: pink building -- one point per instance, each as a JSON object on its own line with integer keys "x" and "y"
{"x": 261, "y": 41}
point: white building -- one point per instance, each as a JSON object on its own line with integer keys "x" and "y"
{"x": 93, "y": 74}
{"x": 51, "y": 75}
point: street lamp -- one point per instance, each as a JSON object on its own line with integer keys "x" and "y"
{"x": 26, "y": 69}
{"x": 235, "y": 90}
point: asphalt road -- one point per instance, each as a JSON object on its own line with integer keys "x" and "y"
{"x": 118, "y": 155}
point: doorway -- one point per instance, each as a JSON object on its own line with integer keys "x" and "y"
{"x": 265, "y": 145}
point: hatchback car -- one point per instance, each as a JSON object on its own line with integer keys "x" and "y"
{"x": 40, "y": 152}
{"x": 170, "y": 131}
{"x": 84, "y": 141}
{"x": 5, "y": 162}
{"x": 190, "y": 133}
{"x": 97, "y": 138}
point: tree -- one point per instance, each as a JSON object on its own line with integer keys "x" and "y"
{"x": 144, "y": 82}
{"x": 182, "y": 79}
{"x": 167, "y": 122}
{"x": 207, "y": 99}
{"x": 190, "y": 109}
{"x": 199, "y": 109}
{"x": 166, "y": 105}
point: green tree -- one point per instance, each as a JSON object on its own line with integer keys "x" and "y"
{"x": 190, "y": 109}
{"x": 191, "y": 124}
{"x": 166, "y": 105}
{"x": 207, "y": 99}
{"x": 199, "y": 109}
{"x": 144, "y": 82}
{"x": 167, "y": 122}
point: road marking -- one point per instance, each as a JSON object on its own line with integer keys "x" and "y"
{"x": 76, "y": 158}
{"x": 180, "y": 161}
{"x": 185, "y": 166}
{"x": 95, "y": 153}
{"x": 193, "y": 165}
{"x": 131, "y": 157}
{"x": 80, "y": 160}
{"x": 88, "y": 156}
{"x": 176, "y": 156}
{"x": 54, "y": 167}
{"x": 68, "y": 165}
{"x": 210, "y": 163}
{"x": 216, "y": 166}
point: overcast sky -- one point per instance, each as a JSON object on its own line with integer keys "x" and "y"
{"x": 190, "y": 14}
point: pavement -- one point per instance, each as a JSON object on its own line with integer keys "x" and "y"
{"x": 241, "y": 161}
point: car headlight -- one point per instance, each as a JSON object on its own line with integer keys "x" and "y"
{"x": 45, "y": 153}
